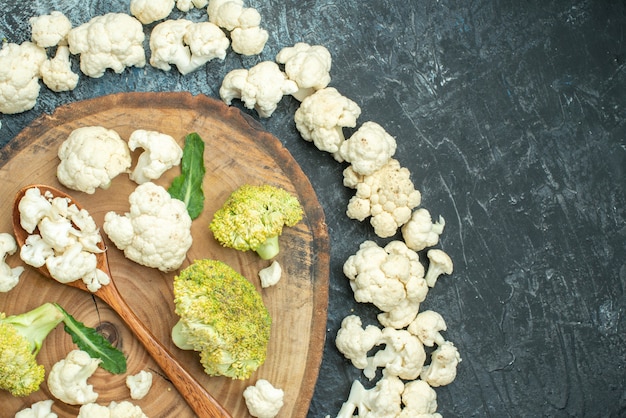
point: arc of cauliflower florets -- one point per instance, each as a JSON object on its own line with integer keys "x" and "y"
{"x": 223, "y": 317}
{"x": 21, "y": 338}
{"x": 253, "y": 217}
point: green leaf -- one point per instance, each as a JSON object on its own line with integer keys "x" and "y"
{"x": 188, "y": 186}
{"x": 90, "y": 341}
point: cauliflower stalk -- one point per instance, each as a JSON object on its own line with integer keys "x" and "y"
{"x": 156, "y": 232}
{"x": 309, "y": 66}
{"x": 67, "y": 379}
{"x": 21, "y": 339}
{"x": 186, "y": 44}
{"x": 263, "y": 399}
{"x": 110, "y": 41}
{"x": 91, "y": 157}
{"x": 260, "y": 88}
{"x": 9, "y": 277}
{"x": 253, "y": 217}
{"x": 223, "y": 317}
{"x": 19, "y": 76}
{"x": 322, "y": 116}
{"x": 391, "y": 278}
{"x": 387, "y": 196}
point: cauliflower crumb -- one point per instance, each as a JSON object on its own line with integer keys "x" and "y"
{"x": 263, "y": 400}
{"x": 270, "y": 275}
{"x": 139, "y": 384}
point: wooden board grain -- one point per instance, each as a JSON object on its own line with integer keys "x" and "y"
{"x": 237, "y": 151}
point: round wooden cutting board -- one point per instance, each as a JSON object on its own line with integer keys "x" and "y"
{"x": 237, "y": 151}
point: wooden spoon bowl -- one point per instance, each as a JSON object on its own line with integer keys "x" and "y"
{"x": 196, "y": 396}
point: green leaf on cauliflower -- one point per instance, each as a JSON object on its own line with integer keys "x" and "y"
{"x": 188, "y": 185}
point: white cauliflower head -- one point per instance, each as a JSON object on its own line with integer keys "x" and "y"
{"x": 391, "y": 278}
{"x": 57, "y": 74}
{"x": 161, "y": 152}
{"x": 355, "y": 341}
{"x": 112, "y": 40}
{"x": 19, "y": 76}
{"x": 67, "y": 379}
{"x": 443, "y": 365}
{"x": 260, "y": 88}
{"x": 388, "y": 196}
{"x": 321, "y": 117}
{"x": 50, "y": 29}
{"x": 309, "y": 66}
{"x": 156, "y": 232}
{"x": 263, "y": 399}
{"x": 148, "y": 11}
{"x": 186, "y": 44}
{"x": 368, "y": 149}
{"x": 91, "y": 157}
{"x": 9, "y": 277}
{"x": 420, "y": 231}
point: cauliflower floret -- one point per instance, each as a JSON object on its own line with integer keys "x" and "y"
{"x": 420, "y": 231}
{"x": 387, "y": 195}
{"x": 124, "y": 409}
{"x": 19, "y": 76}
{"x": 420, "y": 400}
{"x": 442, "y": 368}
{"x": 383, "y": 400}
{"x": 186, "y": 5}
{"x": 156, "y": 232}
{"x": 270, "y": 275}
{"x": 71, "y": 265}
{"x": 57, "y": 74}
{"x": 260, "y": 88}
{"x": 391, "y": 278}
{"x": 427, "y": 326}
{"x": 91, "y": 157}
{"x": 439, "y": 263}
{"x": 41, "y": 409}
{"x": 67, "y": 380}
{"x": 139, "y": 384}
{"x": 35, "y": 251}
{"x": 263, "y": 400}
{"x": 403, "y": 355}
{"x": 148, "y": 11}
{"x": 49, "y": 30}
{"x": 322, "y": 116}
{"x": 309, "y": 66}
{"x": 33, "y": 207}
{"x": 161, "y": 152}
{"x": 368, "y": 149}
{"x": 186, "y": 44}
{"x": 9, "y": 277}
{"x": 354, "y": 341}
{"x": 113, "y": 40}
{"x": 243, "y": 23}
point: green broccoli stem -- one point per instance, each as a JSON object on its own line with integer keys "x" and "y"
{"x": 268, "y": 249}
{"x": 35, "y": 325}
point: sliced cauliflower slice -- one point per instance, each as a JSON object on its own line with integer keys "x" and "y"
{"x": 322, "y": 116}
{"x": 112, "y": 40}
{"x": 161, "y": 152}
{"x": 156, "y": 232}
{"x": 388, "y": 196}
{"x": 260, "y": 88}
{"x": 91, "y": 157}
{"x": 309, "y": 66}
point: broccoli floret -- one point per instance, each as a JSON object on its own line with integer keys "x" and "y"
{"x": 223, "y": 317}
{"x": 21, "y": 338}
{"x": 252, "y": 218}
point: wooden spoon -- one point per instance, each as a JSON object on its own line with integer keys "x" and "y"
{"x": 198, "y": 398}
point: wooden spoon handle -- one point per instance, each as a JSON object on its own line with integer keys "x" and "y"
{"x": 198, "y": 398}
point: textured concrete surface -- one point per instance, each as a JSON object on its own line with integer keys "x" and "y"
{"x": 511, "y": 117}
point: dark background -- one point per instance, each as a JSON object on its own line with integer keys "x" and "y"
{"x": 510, "y": 116}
